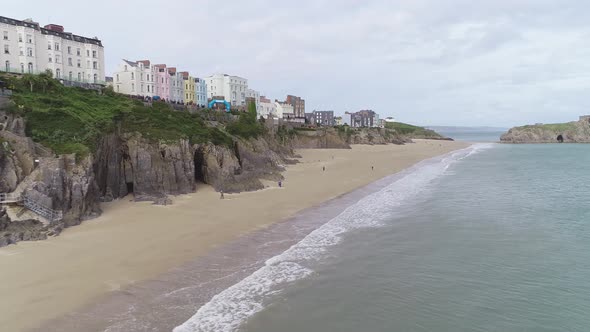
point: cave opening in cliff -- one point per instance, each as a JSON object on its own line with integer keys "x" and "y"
{"x": 199, "y": 161}
{"x": 130, "y": 187}
{"x": 560, "y": 138}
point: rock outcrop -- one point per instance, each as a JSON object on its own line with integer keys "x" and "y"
{"x": 330, "y": 138}
{"x": 150, "y": 170}
{"x": 571, "y": 132}
{"x": 26, "y": 230}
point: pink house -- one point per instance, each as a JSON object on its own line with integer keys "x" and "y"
{"x": 162, "y": 82}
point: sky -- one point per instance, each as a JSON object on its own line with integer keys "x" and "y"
{"x": 428, "y": 62}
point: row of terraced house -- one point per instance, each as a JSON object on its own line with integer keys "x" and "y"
{"x": 28, "y": 47}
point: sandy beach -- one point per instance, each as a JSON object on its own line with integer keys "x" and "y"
{"x": 133, "y": 241}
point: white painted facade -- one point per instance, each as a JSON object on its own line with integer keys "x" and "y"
{"x": 284, "y": 109}
{"x": 29, "y": 48}
{"x": 267, "y": 109}
{"x": 250, "y": 93}
{"x": 176, "y": 86}
{"x": 134, "y": 78}
{"x": 232, "y": 88}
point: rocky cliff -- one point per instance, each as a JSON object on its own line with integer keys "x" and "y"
{"x": 331, "y": 138}
{"x": 571, "y": 132}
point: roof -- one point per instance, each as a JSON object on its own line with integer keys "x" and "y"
{"x": 145, "y": 62}
{"x": 161, "y": 65}
{"x": 172, "y": 70}
{"x": 184, "y": 74}
{"x": 131, "y": 63}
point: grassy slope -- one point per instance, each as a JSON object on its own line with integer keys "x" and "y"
{"x": 71, "y": 120}
{"x": 411, "y": 130}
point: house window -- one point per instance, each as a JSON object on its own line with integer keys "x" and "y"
{"x": 70, "y": 62}
{"x": 22, "y": 68}
{"x": 69, "y": 49}
{"x": 70, "y": 76}
{"x": 29, "y": 39}
{"x": 20, "y": 38}
{"x": 117, "y": 77}
{"x": 5, "y": 35}
{"x": 95, "y": 78}
{"x": 57, "y": 46}
{"x": 30, "y": 67}
{"x": 79, "y": 77}
{"x": 6, "y": 49}
{"x": 94, "y": 54}
{"x": 29, "y": 51}
{"x": 148, "y": 87}
{"x": 57, "y": 58}
{"x": 95, "y": 65}
{"x": 78, "y": 52}
{"x": 125, "y": 67}
{"x": 117, "y": 88}
{"x": 88, "y": 66}
{"x": 87, "y": 53}
{"x": 48, "y": 45}
{"x": 132, "y": 87}
{"x": 20, "y": 51}
{"x": 141, "y": 88}
{"x": 58, "y": 73}
{"x": 141, "y": 75}
{"x": 50, "y": 60}
{"x": 79, "y": 64}
{"x": 7, "y": 64}
{"x": 132, "y": 76}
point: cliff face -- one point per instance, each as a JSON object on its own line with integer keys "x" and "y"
{"x": 129, "y": 163}
{"x": 331, "y": 138}
{"x": 572, "y": 132}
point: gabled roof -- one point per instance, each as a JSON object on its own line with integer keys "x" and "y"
{"x": 145, "y": 62}
{"x": 131, "y": 63}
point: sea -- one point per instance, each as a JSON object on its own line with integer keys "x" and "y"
{"x": 493, "y": 237}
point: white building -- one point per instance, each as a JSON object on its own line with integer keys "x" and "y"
{"x": 284, "y": 110}
{"x": 231, "y": 88}
{"x": 29, "y": 48}
{"x": 201, "y": 92}
{"x": 176, "y": 85}
{"x": 134, "y": 78}
{"x": 268, "y": 108}
{"x": 254, "y": 95}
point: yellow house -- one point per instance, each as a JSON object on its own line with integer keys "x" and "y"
{"x": 189, "y": 88}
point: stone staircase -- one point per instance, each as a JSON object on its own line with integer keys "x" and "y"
{"x": 18, "y": 199}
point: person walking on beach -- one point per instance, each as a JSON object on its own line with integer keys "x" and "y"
{"x": 324, "y": 168}
{"x": 372, "y": 168}
{"x": 221, "y": 196}
{"x": 280, "y": 184}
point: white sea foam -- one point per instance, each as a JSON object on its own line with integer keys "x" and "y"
{"x": 226, "y": 311}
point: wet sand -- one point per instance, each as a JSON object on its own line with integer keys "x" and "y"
{"x": 133, "y": 242}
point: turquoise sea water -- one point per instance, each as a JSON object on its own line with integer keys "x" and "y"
{"x": 492, "y": 238}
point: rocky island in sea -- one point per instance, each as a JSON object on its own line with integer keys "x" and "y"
{"x": 570, "y": 132}
{"x": 64, "y": 150}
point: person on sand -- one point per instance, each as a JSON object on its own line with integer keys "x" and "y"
{"x": 372, "y": 168}
{"x": 221, "y": 196}
{"x": 280, "y": 184}
{"x": 324, "y": 168}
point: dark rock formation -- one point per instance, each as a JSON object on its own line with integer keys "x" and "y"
{"x": 129, "y": 163}
{"x": 26, "y": 230}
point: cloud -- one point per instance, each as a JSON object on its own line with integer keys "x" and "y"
{"x": 463, "y": 62}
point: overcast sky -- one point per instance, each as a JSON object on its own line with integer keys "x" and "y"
{"x": 430, "y": 62}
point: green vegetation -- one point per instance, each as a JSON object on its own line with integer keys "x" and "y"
{"x": 411, "y": 130}
{"x": 247, "y": 126}
{"x": 71, "y": 120}
{"x": 555, "y": 127}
